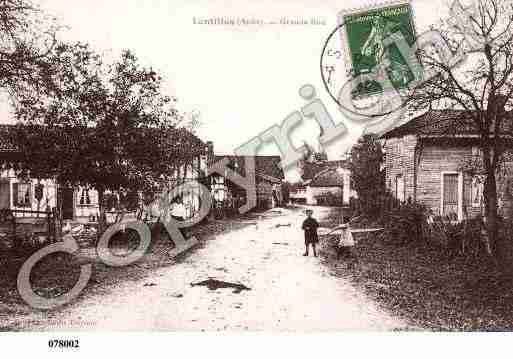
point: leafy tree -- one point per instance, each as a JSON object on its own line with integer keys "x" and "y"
{"x": 27, "y": 37}
{"x": 366, "y": 176}
{"x": 105, "y": 126}
{"x": 480, "y": 42}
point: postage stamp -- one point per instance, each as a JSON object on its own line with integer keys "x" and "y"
{"x": 364, "y": 33}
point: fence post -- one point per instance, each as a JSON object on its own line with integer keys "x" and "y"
{"x": 15, "y": 237}
{"x": 57, "y": 224}
{"x": 50, "y": 226}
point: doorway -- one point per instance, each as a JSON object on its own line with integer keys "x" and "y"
{"x": 67, "y": 195}
{"x": 451, "y": 195}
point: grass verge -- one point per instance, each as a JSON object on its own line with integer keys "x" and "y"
{"x": 423, "y": 285}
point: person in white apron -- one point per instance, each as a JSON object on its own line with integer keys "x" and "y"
{"x": 179, "y": 212}
{"x": 346, "y": 241}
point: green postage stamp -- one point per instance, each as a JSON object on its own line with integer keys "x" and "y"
{"x": 364, "y": 33}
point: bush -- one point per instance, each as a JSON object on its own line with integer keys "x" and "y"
{"x": 505, "y": 247}
{"x": 377, "y": 209}
{"x": 458, "y": 238}
{"x": 411, "y": 223}
{"x": 405, "y": 224}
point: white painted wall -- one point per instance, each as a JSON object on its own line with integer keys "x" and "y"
{"x": 311, "y": 192}
{"x": 48, "y": 201}
{"x": 348, "y": 192}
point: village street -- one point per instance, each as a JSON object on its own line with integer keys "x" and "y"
{"x": 287, "y": 291}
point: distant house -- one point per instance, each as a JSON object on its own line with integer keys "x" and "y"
{"x": 321, "y": 177}
{"x": 425, "y": 162}
{"x": 297, "y": 193}
{"x": 269, "y": 178}
{"x": 332, "y": 182}
{"x": 26, "y": 197}
{"x": 18, "y": 194}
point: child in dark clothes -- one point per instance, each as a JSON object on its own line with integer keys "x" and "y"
{"x": 310, "y": 226}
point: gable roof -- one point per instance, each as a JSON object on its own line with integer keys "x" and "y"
{"x": 330, "y": 177}
{"x": 441, "y": 123}
{"x": 312, "y": 169}
{"x": 265, "y": 166}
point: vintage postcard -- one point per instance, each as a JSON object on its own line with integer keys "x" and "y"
{"x": 293, "y": 175}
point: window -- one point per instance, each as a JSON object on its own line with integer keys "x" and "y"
{"x": 22, "y": 195}
{"x": 84, "y": 197}
{"x": 476, "y": 191}
{"x": 39, "y": 192}
{"x": 450, "y": 194}
{"x": 130, "y": 200}
{"x": 111, "y": 201}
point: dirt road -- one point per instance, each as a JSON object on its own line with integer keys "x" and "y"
{"x": 286, "y": 290}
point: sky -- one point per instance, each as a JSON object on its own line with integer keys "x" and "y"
{"x": 240, "y": 79}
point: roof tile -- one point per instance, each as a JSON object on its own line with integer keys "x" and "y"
{"x": 447, "y": 123}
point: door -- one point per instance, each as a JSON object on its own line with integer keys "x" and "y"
{"x": 67, "y": 203}
{"x": 5, "y": 194}
{"x": 450, "y": 195}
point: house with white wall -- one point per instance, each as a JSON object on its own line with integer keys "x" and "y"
{"x": 335, "y": 181}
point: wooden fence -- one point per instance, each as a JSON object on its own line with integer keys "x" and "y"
{"x": 21, "y": 226}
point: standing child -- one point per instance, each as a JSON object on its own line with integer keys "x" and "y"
{"x": 310, "y": 226}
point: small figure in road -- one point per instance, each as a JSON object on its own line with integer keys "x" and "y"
{"x": 346, "y": 241}
{"x": 178, "y": 211}
{"x": 310, "y": 226}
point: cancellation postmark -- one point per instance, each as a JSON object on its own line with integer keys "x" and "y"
{"x": 365, "y": 47}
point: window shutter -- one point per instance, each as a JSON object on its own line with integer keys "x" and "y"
{"x": 15, "y": 194}
{"x": 38, "y": 191}
{"x": 28, "y": 196}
